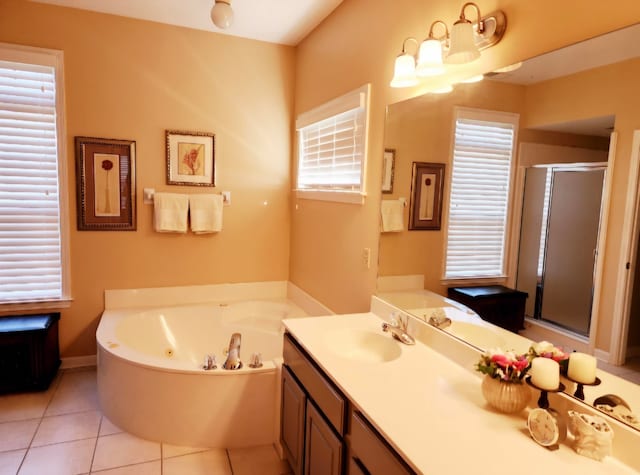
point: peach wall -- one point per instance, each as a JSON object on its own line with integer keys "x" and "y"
{"x": 357, "y": 44}
{"x": 132, "y": 79}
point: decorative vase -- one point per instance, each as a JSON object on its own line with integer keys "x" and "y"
{"x": 505, "y": 396}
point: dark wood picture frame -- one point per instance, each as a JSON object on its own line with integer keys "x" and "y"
{"x": 427, "y": 185}
{"x": 388, "y": 168}
{"x": 106, "y": 184}
{"x": 190, "y": 158}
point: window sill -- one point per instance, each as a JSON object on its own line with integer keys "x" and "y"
{"x": 7, "y": 308}
{"x": 349, "y": 197}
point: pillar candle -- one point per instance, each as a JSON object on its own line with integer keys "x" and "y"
{"x": 582, "y": 368}
{"x": 545, "y": 373}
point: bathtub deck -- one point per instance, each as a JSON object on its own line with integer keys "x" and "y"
{"x": 62, "y": 431}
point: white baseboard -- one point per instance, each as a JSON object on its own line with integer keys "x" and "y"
{"x": 601, "y": 355}
{"x": 78, "y": 361}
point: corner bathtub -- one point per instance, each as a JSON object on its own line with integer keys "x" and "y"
{"x": 151, "y": 382}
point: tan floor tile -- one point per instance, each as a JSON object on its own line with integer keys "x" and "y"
{"x": 68, "y": 458}
{"x": 123, "y": 449}
{"x": 108, "y": 428}
{"x": 245, "y": 461}
{"x": 169, "y": 450}
{"x": 212, "y": 462}
{"x": 17, "y": 435}
{"x": 82, "y": 425}
{"x": 77, "y": 392}
{"x": 18, "y": 407}
{"x": 10, "y": 461}
{"x": 149, "y": 468}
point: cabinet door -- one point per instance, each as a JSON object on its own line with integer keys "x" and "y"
{"x": 292, "y": 421}
{"x": 323, "y": 452}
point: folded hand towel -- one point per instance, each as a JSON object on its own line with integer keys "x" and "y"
{"x": 170, "y": 211}
{"x": 391, "y": 211}
{"x": 206, "y": 213}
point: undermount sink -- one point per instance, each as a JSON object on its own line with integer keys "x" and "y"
{"x": 364, "y": 345}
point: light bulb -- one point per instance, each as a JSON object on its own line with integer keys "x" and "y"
{"x": 222, "y": 14}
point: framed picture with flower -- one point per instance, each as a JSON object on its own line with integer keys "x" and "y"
{"x": 106, "y": 184}
{"x": 190, "y": 158}
{"x": 426, "y": 196}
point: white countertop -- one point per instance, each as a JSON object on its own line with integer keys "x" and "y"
{"x": 432, "y": 411}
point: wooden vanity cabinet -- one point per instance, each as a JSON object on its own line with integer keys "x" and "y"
{"x": 320, "y": 426}
{"x": 313, "y": 415}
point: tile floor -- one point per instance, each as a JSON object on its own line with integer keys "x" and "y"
{"x": 61, "y": 431}
{"x": 630, "y": 371}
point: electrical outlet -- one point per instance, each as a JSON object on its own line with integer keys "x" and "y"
{"x": 366, "y": 258}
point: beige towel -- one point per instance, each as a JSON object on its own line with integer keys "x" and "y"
{"x": 206, "y": 213}
{"x": 170, "y": 211}
{"x": 391, "y": 211}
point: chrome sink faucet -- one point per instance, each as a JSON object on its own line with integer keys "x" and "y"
{"x": 398, "y": 329}
{"x": 233, "y": 356}
{"x": 439, "y": 319}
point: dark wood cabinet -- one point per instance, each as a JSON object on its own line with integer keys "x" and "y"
{"x": 313, "y": 415}
{"x": 321, "y": 431}
{"x": 323, "y": 448}
{"x": 369, "y": 453}
{"x": 29, "y": 352}
{"x": 496, "y": 304}
{"x": 293, "y": 420}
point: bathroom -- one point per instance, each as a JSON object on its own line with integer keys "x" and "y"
{"x": 133, "y": 79}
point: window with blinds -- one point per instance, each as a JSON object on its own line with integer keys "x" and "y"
{"x": 479, "y": 195}
{"x": 31, "y": 255}
{"x": 332, "y": 147}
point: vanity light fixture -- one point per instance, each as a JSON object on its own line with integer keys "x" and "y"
{"x": 430, "y": 55}
{"x": 404, "y": 74}
{"x": 222, "y": 14}
{"x": 463, "y": 45}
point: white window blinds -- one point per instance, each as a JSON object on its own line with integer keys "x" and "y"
{"x": 332, "y": 144}
{"x": 479, "y": 195}
{"x": 545, "y": 216}
{"x": 30, "y": 241}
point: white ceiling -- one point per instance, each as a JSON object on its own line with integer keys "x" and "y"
{"x": 606, "y": 49}
{"x": 276, "y": 21}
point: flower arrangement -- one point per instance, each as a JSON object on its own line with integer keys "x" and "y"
{"x": 504, "y": 365}
{"x": 544, "y": 349}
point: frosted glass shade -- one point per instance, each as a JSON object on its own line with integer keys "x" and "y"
{"x": 463, "y": 45}
{"x": 222, "y": 14}
{"x": 430, "y": 58}
{"x": 404, "y": 74}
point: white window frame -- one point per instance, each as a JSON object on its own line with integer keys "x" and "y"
{"x": 488, "y": 116}
{"x": 356, "y": 99}
{"x": 55, "y": 59}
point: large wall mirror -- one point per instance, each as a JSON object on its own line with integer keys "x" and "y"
{"x": 559, "y": 184}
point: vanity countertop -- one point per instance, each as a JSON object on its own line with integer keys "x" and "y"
{"x": 431, "y": 410}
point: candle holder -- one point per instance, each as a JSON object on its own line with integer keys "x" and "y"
{"x": 543, "y": 400}
{"x": 580, "y": 387}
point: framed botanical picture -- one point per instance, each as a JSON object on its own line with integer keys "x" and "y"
{"x": 106, "y": 184}
{"x": 388, "y": 165}
{"x": 190, "y": 158}
{"x": 426, "y": 196}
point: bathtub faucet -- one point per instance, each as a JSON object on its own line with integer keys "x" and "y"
{"x": 233, "y": 356}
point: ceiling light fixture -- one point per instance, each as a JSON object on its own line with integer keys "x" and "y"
{"x": 222, "y": 14}
{"x": 463, "y": 45}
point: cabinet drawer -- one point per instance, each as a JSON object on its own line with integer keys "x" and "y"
{"x": 327, "y": 398}
{"x": 372, "y": 452}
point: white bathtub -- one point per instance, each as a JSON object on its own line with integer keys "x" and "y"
{"x": 151, "y": 382}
